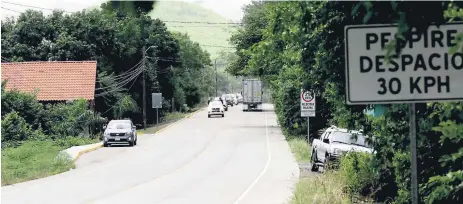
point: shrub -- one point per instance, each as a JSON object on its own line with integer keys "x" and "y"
{"x": 69, "y": 119}
{"x": 360, "y": 176}
{"x": 15, "y": 130}
{"x": 25, "y": 105}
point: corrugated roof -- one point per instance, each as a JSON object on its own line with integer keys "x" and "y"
{"x": 54, "y": 81}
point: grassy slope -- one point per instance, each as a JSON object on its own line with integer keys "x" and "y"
{"x": 37, "y": 159}
{"x": 325, "y": 188}
{"x": 204, "y": 34}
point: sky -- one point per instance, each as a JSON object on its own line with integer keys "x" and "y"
{"x": 230, "y": 9}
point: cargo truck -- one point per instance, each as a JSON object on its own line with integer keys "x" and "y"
{"x": 252, "y": 94}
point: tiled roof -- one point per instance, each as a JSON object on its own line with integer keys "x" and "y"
{"x": 55, "y": 81}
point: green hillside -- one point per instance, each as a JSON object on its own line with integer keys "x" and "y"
{"x": 204, "y": 34}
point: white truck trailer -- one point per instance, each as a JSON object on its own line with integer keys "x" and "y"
{"x": 252, "y": 94}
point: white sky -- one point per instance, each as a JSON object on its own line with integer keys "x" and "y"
{"x": 230, "y": 9}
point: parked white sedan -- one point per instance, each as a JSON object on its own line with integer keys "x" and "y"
{"x": 215, "y": 108}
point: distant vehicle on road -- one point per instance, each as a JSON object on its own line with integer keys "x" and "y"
{"x": 224, "y": 103}
{"x": 234, "y": 98}
{"x": 239, "y": 97}
{"x": 228, "y": 99}
{"x": 252, "y": 94}
{"x": 215, "y": 108}
{"x": 120, "y": 132}
{"x": 335, "y": 142}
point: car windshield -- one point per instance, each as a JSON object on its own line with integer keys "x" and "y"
{"x": 349, "y": 138}
{"x": 119, "y": 125}
{"x": 215, "y": 103}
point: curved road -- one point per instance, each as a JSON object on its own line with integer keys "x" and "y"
{"x": 241, "y": 158}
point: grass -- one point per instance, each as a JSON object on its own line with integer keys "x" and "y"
{"x": 37, "y": 159}
{"x": 327, "y": 188}
{"x": 323, "y": 189}
{"x": 300, "y": 149}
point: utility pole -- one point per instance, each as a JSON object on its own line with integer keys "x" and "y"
{"x": 216, "y": 82}
{"x": 144, "y": 89}
{"x": 173, "y": 95}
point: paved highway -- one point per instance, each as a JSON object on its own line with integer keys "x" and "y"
{"x": 242, "y": 158}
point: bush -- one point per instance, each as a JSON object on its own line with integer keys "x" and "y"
{"x": 358, "y": 172}
{"x": 69, "y": 119}
{"x": 24, "y": 104}
{"x": 15, "y": 130}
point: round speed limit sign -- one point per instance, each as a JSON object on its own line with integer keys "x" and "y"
{"x": 307, "y": 96}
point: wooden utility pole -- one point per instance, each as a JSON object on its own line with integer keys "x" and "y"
{"x": 173, "y": 95}
{"x": 216, "y": 82}
{"x": 144, "y": 88}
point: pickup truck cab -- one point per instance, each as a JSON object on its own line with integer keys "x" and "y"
{"x": 335, "y": 142}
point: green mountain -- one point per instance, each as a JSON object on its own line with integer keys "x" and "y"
{"x": 212, "y": 37}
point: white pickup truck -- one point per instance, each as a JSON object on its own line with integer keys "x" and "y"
{"x": 334, "y": 142}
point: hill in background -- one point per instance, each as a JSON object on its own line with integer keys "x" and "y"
{"x": 211, "y": 37}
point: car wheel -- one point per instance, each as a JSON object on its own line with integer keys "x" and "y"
{"x": 135, "y": 142}
{"x": 131, "y": 144}
{"x": 105, "y": 144}
{"x": 314, "y": 162}
{"x": 208, "y": 116}
{"x": 327, "y": 164}
{"x": 223, "y": 115}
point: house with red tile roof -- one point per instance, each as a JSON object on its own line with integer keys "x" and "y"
{"x": 52, "y": 81}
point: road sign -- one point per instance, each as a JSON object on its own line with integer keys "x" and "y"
{"x": 424, "y": 72}
{"x": 307, "y": 104}
{"x": 157, "y": 100}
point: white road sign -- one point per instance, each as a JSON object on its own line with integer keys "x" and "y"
{"x": 307, "y": 104}
{"x": 156, "y": 100}
{"x": 424, "y": 71}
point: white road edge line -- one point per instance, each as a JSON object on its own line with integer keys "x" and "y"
{"x": 269, "y": 157}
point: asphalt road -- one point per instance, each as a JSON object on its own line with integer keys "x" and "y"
{"x": 241, "y": 158}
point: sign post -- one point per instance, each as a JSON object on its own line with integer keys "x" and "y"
{"x": 307, "y": 108}
{"x": 156, "y": 103}
{"x": 424, "y": 72}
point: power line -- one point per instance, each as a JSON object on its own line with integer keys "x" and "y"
{"x": 216, "y": 46}
{"x": 182, "y": 22}
{"x": 121, "y": 98}
{"x": 202, "y": 22}
{"x": 37, "y": 7}
{"x": 120, "y": 85}
{"x": 11, "y": 10}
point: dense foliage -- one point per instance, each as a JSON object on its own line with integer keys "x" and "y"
{"x": 116, "y": 36}
{"x": 294, "y": 45}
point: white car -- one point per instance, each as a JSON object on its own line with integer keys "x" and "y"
{"x": 335, "y": 142}
{"x": 215, "y": 108}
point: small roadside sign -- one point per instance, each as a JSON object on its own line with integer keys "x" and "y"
{"x": 307, "y": 104}
{"x": 156, "y": 100}
{"x": 425, "y": 71}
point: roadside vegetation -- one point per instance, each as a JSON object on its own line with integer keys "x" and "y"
{"x": 294, "y": 45}
{"x": 300, "y": 149}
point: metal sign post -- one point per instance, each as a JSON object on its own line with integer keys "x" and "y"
{"x": 307, "y": 108}
{"x": 423, "y": 72}
{"x": 156, "y": 103}
{"x": 414, "y": 172}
